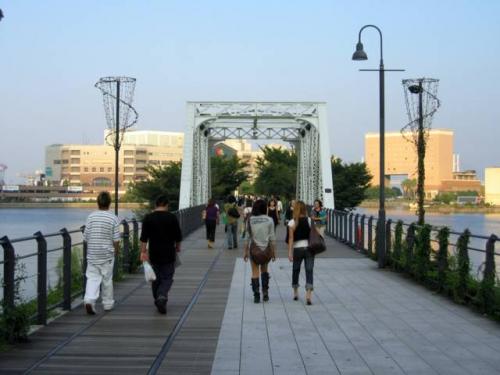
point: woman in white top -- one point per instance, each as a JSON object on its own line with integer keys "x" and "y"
{"x": 261, "y": 231}
{"x": 298, "y": 242}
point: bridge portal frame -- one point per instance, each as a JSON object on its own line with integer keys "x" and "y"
{"x": 303, "y": 124}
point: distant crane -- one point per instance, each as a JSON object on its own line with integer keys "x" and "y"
{"x": 3, "y": 168}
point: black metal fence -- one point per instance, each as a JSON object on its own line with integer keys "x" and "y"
{"x": 359, "y": 232}
{"x": 70, "y": 243}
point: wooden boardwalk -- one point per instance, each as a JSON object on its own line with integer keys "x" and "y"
{"x": 363, "y": 321}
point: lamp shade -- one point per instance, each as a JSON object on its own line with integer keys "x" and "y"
{"x": 360, "y": 54}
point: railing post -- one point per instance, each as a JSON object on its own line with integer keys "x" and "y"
{"x": 350, "y": 229}
{"x": 42, "y": 278}
{"x": 362, "y": 240}
{"x": 9, "y": 266}
{"x": 370, "y": 235}
{"x": 356, "y": 234}
{"x": 388, "y": 238}
{"x": 135, "y": 232}
{"x": 410, "y": 242}
{"x": 487, "y": 289}
{"x": 345, "y": 227}
{"x": 126, "y": 246}
{"x": 66, "y": 269}
{"x": 84, "y": 263}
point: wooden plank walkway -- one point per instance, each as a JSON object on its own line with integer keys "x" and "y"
{"x": 363, "y": 321}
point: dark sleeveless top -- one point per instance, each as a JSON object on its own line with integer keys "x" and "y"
{"x": 302, "y": 230}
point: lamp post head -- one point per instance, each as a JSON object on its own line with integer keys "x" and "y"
{"x": 360, "y": 54}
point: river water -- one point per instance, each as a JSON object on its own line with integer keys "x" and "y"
{"x": 24, "y": 222}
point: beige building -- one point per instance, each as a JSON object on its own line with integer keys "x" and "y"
{"x": 245, "y": 151}
{"x": 401, "y": 157}
{"x": 93, "y": 165}
{"x": 492, "y": 185}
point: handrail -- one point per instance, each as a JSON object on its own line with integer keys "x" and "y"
{"x": 189, "y": 220}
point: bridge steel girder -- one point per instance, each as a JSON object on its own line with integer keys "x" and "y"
{"x": 303, "y": 124}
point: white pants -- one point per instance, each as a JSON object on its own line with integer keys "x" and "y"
{"x": 321, "y": 230}
{"x": 98, "y": 274}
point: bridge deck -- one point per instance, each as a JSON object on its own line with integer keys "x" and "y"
{"x": 363, "y": 321}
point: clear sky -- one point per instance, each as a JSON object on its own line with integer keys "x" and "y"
{"x": 52, "y": 53}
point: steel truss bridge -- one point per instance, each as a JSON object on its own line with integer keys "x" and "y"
{"x": 303, "y": 124}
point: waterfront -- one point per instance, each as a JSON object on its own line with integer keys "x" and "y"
{"x": 24, "y": 222}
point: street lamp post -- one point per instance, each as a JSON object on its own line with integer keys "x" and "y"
{"x": 358, "y": 55}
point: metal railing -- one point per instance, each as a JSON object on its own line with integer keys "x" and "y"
{"x": 358, "y": 231}
{"x": 189, "y": 220}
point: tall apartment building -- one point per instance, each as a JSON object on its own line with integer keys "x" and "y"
{"x": 492, "y": 185}
{"x": 93, "y": 165}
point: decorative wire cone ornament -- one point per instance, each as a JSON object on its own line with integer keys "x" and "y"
{"x": 430, "y": 104}
{"x": 118, "y": 91}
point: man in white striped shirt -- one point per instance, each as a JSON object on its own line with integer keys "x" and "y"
{"x": 102, "y": 235}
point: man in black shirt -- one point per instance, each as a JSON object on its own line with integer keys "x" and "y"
{"x": 161, "y": 230}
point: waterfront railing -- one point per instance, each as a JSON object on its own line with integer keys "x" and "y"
{"x": 73, "y": 248}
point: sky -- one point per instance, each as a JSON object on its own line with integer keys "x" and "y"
{"x": 52, "y": 53}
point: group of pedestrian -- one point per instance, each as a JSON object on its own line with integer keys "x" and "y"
{"x": 161, "y": 238}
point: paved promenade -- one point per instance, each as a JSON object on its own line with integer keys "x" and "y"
{"x": 362, "y": 321}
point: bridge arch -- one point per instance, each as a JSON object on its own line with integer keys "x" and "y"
{"x": 302, "y": 124}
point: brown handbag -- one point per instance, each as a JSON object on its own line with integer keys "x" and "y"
{"x": 258, "y": 255}
{"x": 316, "y": 242}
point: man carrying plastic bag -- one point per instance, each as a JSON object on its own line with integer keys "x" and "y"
{"x": 162, "y": 234}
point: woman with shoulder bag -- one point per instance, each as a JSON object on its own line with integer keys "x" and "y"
{"x": 211, "y": 221}
{"x": 299, "y": 229}
{"x": 260, "y": 238}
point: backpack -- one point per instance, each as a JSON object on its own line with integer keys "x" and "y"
{"x": 233, "y": 212}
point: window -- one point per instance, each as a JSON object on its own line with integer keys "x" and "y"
{"x": 129, "y": 169}
{"x": 75, "y": 152}
{"x": 75, "y": 160}
{"x": 140, "y": 161}
{"x": 128, "y": 152}
{"x": 101, "y": 169}
{"x": 75, "y": 169}
{"x": 110, "y": 169}
{"x": 93, "y": 169}
{"x": 129, "y": 161}
{"x": 65, "y": 161}
{"x": 57, "y": 162}
{"x": 86, "y": 169}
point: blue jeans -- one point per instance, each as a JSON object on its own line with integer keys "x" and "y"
{"x": 299, "y": 254}
{"x": 232, "y": 235}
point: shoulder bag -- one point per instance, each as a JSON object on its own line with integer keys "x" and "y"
{"x": 316, "y": 242}
{"x": 258, "y": 255}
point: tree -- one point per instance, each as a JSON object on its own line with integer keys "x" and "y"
{"x": 277, "y": 172}
{"x": 163, "y": 180}
{"x": 373, "y": 192}
{"x": 350, "y": 181}
{"x": 409, "y": 187}
{"x": 227, "y": 173}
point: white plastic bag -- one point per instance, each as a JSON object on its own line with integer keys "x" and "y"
{"x": 149, "y": 273}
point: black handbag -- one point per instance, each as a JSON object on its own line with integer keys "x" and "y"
{"x": 316, "y": 242}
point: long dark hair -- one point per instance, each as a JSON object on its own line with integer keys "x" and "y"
{"x": 259, "y": 207}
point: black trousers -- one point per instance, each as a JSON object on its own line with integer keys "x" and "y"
{"x": 302, "y": 254}
{"x": 164, "y": 279}
{"x": 211, "y": 224}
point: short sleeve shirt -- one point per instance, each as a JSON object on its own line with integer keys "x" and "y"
{"x": 101, "y": 230}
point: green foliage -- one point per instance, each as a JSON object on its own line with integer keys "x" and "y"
{"x": 15, "y": 321}
{"x": 398, "y": 244}
{"x": 76, "y": 271}
{"x": 486, "y": 294}
{"x": 409, "y": 188}
{"x": 227, "y": 174}
{"x": 373, "y": 193}
{"x": 442, "y": 257}
{"x": 163, "y": 180}
{"x": 350, "y": 183}
{"x": 463, "y": 264}
{"x": 246, "y": 188}
{"x": 446, "y": 197}
{"x": 422, "y": 252}
{"x": 134, "y": 252}
{"x": 276, "y": 172}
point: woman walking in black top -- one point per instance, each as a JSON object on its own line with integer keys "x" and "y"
{"x": 272, "y": 212}
{"x": 298, "y": 234}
